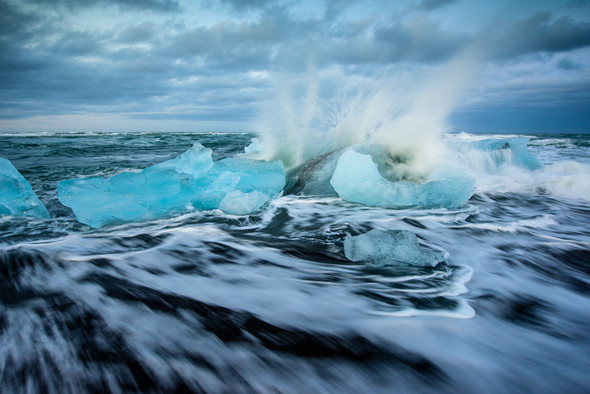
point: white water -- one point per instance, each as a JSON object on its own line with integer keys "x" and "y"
{"x": 403, "y": 111}
{"x": 566, "y": 174}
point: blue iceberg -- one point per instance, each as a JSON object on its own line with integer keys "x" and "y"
{"x": 357, "y": 179}
{"x": 188, "y": 182}
{"x": 393, "y": 247}
{"x": 517, "y": 146}
{"x": 498, "y": 152}
{"x": 17, "y": 197}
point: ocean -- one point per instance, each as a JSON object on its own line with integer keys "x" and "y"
{"x": 204, "y": 301}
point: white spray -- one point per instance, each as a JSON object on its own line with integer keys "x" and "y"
{"x": 404, "y": 112}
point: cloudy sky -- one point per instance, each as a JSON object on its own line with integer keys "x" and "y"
{"x": 176, "y": 65}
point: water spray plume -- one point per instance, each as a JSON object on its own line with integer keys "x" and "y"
{"x": 406, "y": 112}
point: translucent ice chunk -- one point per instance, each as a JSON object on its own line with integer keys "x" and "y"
{"x": 357, "y": 179}
{"x": 517, "y": 146}
{"x": 196, "y": 161}
{"x": 254, "y": 147}
{"x": 17, "y": 197}
{"x": 240, "y": 203}
{"x": 266, "y": 177}
{"x": 393, "y": 247}
{"x": 190, "y": 181}
{"x": 492, "y": 154}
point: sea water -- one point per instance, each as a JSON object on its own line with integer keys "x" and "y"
{"x": 203, "y": 300}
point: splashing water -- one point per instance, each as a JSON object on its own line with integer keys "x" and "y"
{"x": 404, "y": 112}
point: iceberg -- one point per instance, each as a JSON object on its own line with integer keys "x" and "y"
{"x": 357, "y": 179}
{"x": 17, "y": 197}
{"x": 492, "y": 153}
{"x": 517, "y": 148}
{"x": 393, "y": 247}
{"x": 190, "y": 181}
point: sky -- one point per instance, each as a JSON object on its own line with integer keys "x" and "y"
{"x": 214, "y": 65}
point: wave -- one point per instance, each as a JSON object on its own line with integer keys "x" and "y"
{"x": 506, "y": 165}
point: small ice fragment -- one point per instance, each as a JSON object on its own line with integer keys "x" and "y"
{"x": 240, "y": 203}
{"x": 393, "y": 247}
{"x": 254, "y": 147}
{"x": 17, "y": 197}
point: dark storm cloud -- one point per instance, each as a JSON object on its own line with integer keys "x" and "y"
{"x": 541, "y": 33}
{"x": 12, "y": 20}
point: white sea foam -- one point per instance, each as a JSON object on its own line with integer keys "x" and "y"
{"x": 519, "y": 225}
{"x": 501, "y": 170}
{"x": 568, "y": 179}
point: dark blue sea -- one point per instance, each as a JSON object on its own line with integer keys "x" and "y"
{"x": 268, "y": 302}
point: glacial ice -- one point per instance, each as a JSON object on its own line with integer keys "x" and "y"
{"x": 254, "y": 147}
{"x": 17, "y": 197}
{"x": 357, "y": 179}
{"x": 517, "y": 145}
{"x": 190, "y": 181}
{"x": 494, "y": 153}
{"x": 237, "y": 202}
{"x": 392, "y": 247}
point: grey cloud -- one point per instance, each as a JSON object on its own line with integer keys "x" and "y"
{"x": 334, "y": 8}
{"x": 157, "y": 5}
{"x": 20, "y": 27}
{"x": 65, "y": 87}
{"x": 13, "y": 20}
{"x": 424, "y": 42}
{"x": 178, "y": 70}
{"x": 138, "y": 61}
{"x": 143, "y": 32}
{"x": 367, "y": 41}
{"x": 150, "y": 5}
{"x": 568, "y": 64}
{"x": 13, "y": 60}
{"x": 539, "y": 33}
{"x": 237, "y": 45}
{"x": 243, "y": 5}
{"x": 78, "y": 43}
